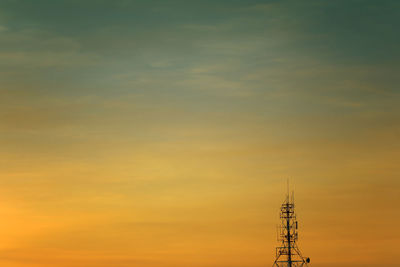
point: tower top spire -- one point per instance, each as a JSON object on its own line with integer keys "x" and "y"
{"x": 287, "y": 193}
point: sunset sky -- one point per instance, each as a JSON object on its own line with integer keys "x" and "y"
{"x": 162, "y": 133}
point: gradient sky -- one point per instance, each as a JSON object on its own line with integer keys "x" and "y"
{"x": 161, "y": 133}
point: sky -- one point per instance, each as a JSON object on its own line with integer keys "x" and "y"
{"x": 162, "y": 133}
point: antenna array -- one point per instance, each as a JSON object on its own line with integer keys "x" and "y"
{"x": 288, "y": 253}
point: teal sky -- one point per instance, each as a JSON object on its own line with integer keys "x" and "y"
{"x": 144, "y": 120}
{"x": 264, "y": 58}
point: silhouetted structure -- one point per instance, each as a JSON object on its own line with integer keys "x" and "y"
{"x": 288, "y": 254}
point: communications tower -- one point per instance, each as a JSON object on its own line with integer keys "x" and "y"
{"x": 288, "y": 253}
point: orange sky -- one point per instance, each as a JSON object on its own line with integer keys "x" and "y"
{"x": 162, "y": 134}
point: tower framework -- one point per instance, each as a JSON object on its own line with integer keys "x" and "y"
{"x": 288, "y": 253}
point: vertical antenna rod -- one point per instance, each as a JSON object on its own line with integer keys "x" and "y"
{"x": 287, "y": 193}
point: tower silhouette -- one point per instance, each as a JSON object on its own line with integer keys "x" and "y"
{"x": 288, "y": 254}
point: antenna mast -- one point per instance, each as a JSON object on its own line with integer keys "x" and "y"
{"x": 288, "y": 254}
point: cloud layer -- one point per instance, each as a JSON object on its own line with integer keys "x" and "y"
{"x": 161, "y": 133}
